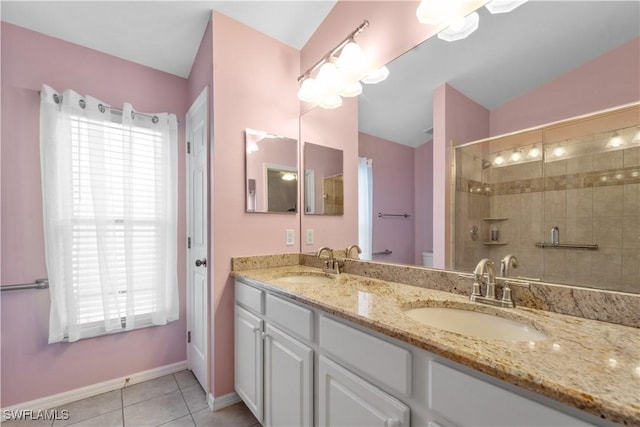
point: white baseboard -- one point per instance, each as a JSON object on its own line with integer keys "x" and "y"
{"x": 217, "y": 403}
{"x": 59, "y": 399}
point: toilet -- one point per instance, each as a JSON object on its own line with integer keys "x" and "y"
{"x": 427, "y": 259}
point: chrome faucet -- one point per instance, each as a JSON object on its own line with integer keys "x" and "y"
{"x": 507, "y": 263}
{"x": 486, "y": 266}
{"x": 350, "y": 248}
{"x": 331, "y": 265}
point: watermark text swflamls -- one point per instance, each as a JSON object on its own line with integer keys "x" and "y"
{"x": 29, "y": 414}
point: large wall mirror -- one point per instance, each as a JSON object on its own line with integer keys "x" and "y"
{"x": 509, "y": 56}
{"x": 323, "y": 180}
{"x": 271, "y": 172}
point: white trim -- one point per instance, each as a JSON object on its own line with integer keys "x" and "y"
{"x": 66, "y": 397}
{"x": 217, "y": 403}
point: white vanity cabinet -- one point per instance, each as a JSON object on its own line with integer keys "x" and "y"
{"x": 249, "y": 371}
{"x": 347, "y": 400}
{"x": 273, "y": 368}
{"x": 365, "y": 378}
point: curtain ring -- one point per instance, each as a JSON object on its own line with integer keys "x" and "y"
{"x": 57, "y": 98}
{"x": 101, "y": 108}
{"x": 154, "y": 120}
{"x": 82, "y": 104}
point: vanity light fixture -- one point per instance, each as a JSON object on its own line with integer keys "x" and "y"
{"x": 516, "y": 155}
{"x": 460, "y": 28}
{"x": 615, "y": 141}
{"x": 498, "y": 160}
{"x": 503, "y": 6}
{"x": 435, "y": 12}
{"x": 558, "y": 151}
{"x": 533, "y": 152}
{"x": 339, "y": 74}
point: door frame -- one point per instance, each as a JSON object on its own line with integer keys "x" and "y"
{"x": 202, "y": 98}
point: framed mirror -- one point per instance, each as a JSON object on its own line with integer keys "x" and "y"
{"x": 323, "y": 180}
{"x": 271, "y": 178}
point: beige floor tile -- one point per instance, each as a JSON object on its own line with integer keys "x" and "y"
{"x": 237, "y": 415}
{"x": 185, "y": 378}
{"x": 156, "y": 411}
{"x": 148, "y": 389}
{"x": 91, "y": 407}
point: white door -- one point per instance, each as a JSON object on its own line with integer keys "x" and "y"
{"x": 288, "y": 379}
{"x": 197, "y": 239}
{"x": 249, "y": 369}
{"x": 347, "y": 400}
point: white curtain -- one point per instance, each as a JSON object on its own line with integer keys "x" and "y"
{"x": 365, "y": 207}
{"x": 109, "y": 188}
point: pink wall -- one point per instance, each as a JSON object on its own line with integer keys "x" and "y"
{"x": 201, "y": 77}
{"x": 394, "y": 193}
{"x": 31, "y": 368}
{"x": 423, "y": 173}
{"x": 608, "y": 81}
{"x": 254, "y": 85}
{"x": 336, "y": 129}
{"x": 456, "y": 120}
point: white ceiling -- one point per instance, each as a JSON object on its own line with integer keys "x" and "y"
{"x": 508, "y": 56}
{"x": 164, "y": 35}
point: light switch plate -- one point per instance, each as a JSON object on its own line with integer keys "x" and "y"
{"x": 309, "y": 236}
{"x": 290, "y": 239}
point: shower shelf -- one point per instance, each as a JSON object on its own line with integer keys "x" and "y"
{"x": 495, "y": 219}
{"x": 495, "y": 243}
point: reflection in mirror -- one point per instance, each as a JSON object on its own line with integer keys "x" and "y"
{"x": 507, "y": 61}
{"x": 563, "y": 199}
{"x": 323, "y": 180}
{"x": 271, "y": 172}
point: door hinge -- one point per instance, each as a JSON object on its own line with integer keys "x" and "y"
{"x": 188, "y": 337}
{"x": 188, "y": 147}
{"x": 188, "y": 242}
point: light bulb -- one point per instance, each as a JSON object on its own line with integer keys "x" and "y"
{"x": 558, "y": 151}
{"x": 331, "y": 102}
{"x": 352, "y": 63}
{"x": 288, "y": 176}
{"x": 534, "y": 152}
{"x": 460, "y": 28}
{"x": 615, "y": 141}
{"x": 352, "y": 90}
{"x": 498, "y": 160}
{"x": 434, "y": 12}
{"x": 329, "y": 80}
{"x": 516, "y": 155}
{"x": 503, "y": 6}
{"x": 376, "y": 76}
{"x": 308, "y": 91}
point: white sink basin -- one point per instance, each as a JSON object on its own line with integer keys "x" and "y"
{"x": 306, "y": 279}
{"x": 476, "y": 324}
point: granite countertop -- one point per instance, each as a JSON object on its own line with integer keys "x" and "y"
{"x": 591, "y": 365}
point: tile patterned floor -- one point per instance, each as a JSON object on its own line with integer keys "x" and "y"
{"x": 171, "y": 401}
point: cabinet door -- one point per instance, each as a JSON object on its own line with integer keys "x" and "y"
{"x": 249, "y": 370}
{"x": 288, "y": 379}
{"x": 347, "y": 400}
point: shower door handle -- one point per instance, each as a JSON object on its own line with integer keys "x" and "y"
{"x": 201, "y": 262}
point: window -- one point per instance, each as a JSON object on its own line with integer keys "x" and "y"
{"x": 110, "y": 217}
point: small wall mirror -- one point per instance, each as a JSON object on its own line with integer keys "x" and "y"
{"x": 271, "y": 172}
{"x": 323, "y": 180}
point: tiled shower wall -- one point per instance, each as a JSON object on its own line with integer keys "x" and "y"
{"x": 594, "y": 198}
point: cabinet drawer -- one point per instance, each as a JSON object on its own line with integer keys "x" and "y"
{"x": 380, "y": 360}
{"x": 295, "y": 319}
{"x": 249, "y": 297}
{"x": 466, "y": 400}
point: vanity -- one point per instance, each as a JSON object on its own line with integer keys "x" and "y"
{"x": 313, "y": 348}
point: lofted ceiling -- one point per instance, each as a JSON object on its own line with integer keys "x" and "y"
{"x": 163, "y": 35}
{"x": 508, "y": 56}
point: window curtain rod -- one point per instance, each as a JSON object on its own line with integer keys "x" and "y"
{"x": 117, "y": 111}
